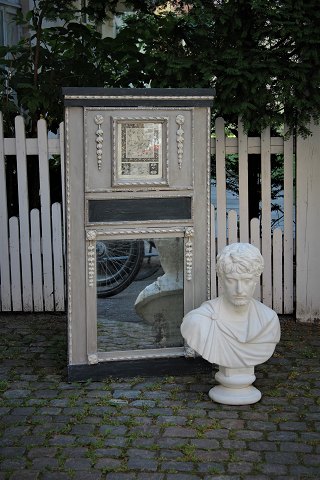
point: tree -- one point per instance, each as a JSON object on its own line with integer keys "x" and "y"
{"x": 262, "y": 57}
{"x": 34, "y": 71}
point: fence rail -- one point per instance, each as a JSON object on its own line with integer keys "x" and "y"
{"x": 31, "y": 244}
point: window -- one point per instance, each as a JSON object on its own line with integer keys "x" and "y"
{"x": 9, "y": 31}
{"x": 1, "y": 28}
{"x": 84, "y": 17}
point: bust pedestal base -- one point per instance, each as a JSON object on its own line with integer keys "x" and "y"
{"x": 235, "y": 387}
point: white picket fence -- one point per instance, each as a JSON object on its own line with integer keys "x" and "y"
{"x": 277, "y": 246}
{"x": 31, "y": 246}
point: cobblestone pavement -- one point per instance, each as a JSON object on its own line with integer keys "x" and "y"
{"x": 153, "y": 428}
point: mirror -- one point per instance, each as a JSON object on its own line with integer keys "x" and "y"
{"x": 139, "y": 293}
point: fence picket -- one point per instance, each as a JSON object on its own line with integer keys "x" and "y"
{"x": 277, "y": 270}
{"x": 45, "y": 214}
{"x": 243, "y": 183}
{"x": 59, "y": 291}
{"x": 24, "y": 214}
{"x": 213, "y": 253}
{"x": 5, "y": 288}
{"x": 14, "y": 247}
{"x": 62, "y": 167}
{"x": 256, "y": 241}
{"x": 221, "y": 183}
{"x": 266, "y": 216}
{"x": 232, "y": 226}
{"x": 255, "y": 237}
{"x": 37, "y": 279}
{"x": 288, "y": 226}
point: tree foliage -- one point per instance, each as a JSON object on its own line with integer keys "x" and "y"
{"x": 262, "y": 57}
{"x": 67, "y": 53}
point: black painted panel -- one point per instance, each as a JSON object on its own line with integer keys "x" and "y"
{"x": 139, "y": 209}
{"x": 134, "y": 97}
{"x": 144, "y": 368}
{"x": 80, "y": 102}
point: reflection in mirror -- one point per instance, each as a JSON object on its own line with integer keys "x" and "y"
{"x": 139, "y": 294}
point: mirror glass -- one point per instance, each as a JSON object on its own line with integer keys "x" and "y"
{"x": 139, "y": 293}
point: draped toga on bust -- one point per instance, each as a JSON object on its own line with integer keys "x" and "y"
{"x": 230, "y": 342}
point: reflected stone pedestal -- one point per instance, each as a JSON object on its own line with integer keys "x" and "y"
{"x": 161, "y": 303}
{"x": 235, "y": 387}
{"x": 164, "y": 311}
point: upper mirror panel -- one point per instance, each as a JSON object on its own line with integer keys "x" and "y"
{"x": 140, "y": 151}
{"x": 140, "y": 300}
{"x": 145, "y": 147}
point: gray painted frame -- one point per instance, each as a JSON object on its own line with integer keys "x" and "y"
{"x": 81, "y": 318}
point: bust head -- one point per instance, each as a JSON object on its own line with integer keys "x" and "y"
{"x": 239, "y": 267}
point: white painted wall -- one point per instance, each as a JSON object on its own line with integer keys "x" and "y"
{"x": 308, "y": 227}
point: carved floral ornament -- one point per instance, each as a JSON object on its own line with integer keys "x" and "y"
{"x": 98, "y": 120}
{"x": 91, "y": 235}
{"x": 180, "y": 139}
{"x": 91, "y": 256}
{"x": 93, "y": 359}
{"x": 189, "y": 252}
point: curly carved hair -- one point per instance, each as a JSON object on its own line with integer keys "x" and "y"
{"x": 240, "y": 258}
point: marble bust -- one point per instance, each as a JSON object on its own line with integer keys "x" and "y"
{"x": 234, "y": 330}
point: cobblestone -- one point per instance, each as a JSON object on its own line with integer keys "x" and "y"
{"x": 155, "y": 428}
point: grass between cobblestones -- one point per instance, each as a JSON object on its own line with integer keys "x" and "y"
{"x": 160, "y": 428}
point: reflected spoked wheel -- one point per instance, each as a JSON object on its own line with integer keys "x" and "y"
{"x": 118, "y": 263}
